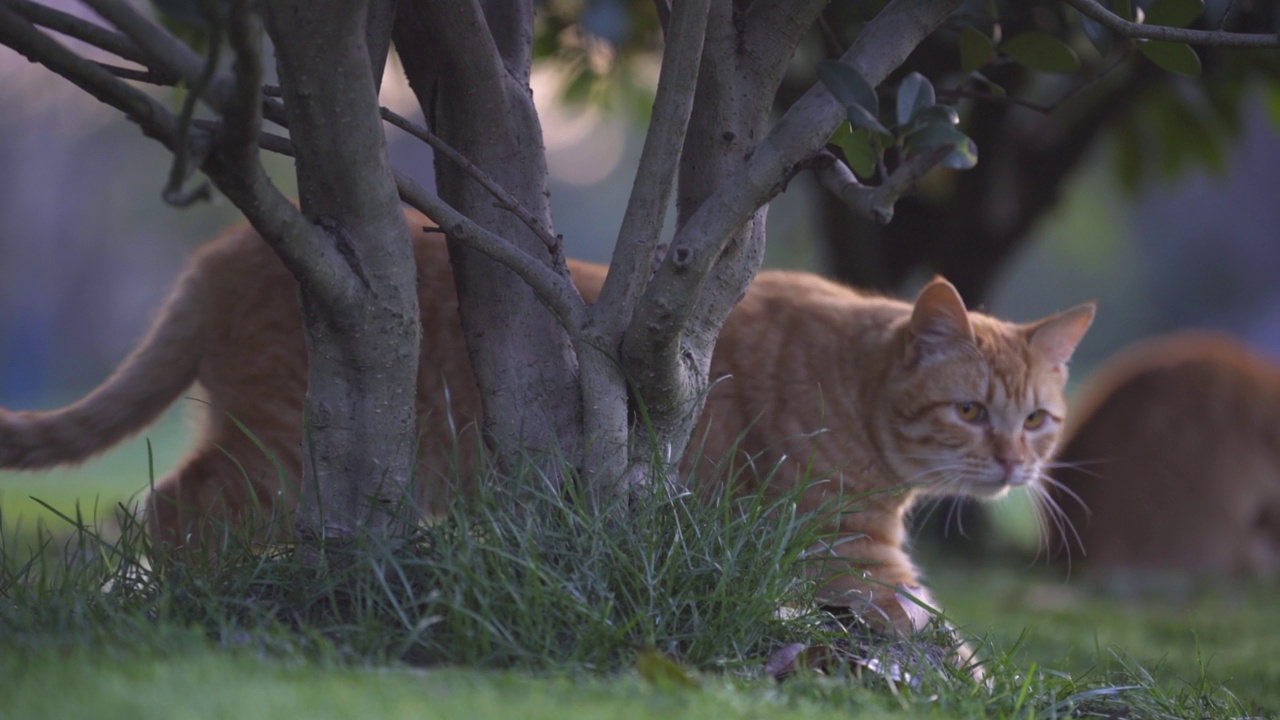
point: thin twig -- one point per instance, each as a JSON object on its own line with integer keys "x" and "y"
{"x": 242, "y": 122}
{"x": 557, "y": 293}
{"x": 829, "y": 39}
{"x": 155, "y": 120}
{"x": 182, "y": 167}
{"x": 504, "y": 198}
{"x": 959, "y": 93}
{"x": 80, "y": 29}
{"x": 637, "y": 244}
{"x": 1091, "y": 9}
{"x": 1070, "y": 94}
{"x": 143, "y": 76}
{"x": 663, "y": 7}
{"x": 161, "y": 48}
{"x": 875, "y": 202}
{"x": 554, "y": 290}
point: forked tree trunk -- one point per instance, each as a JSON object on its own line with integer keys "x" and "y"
{"x": 469, "y": 67}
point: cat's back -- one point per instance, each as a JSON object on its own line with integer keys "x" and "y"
{"x": 1174, "y": 447}
{"x": 788, "y": 300}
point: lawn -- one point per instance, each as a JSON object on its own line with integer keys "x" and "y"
{"x": 511, "y": 642}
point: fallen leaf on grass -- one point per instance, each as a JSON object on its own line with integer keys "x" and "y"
{"x": 663, "y": 672}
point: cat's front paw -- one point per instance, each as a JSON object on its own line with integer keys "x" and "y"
{"x": 917, "y": 608}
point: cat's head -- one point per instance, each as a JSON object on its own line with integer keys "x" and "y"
{"x": 973, "y": 405}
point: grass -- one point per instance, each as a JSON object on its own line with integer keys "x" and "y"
{"x": 548, "y": 610}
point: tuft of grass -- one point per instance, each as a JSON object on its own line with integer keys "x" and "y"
{"x": 531, "y": 579}
{"x": 524, "y": 578}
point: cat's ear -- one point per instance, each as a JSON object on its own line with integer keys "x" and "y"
{"x": 939, "y": 320}
{"x": 1055, "y": 338}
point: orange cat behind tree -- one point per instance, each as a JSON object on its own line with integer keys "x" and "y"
{"x": 885, "y": 400}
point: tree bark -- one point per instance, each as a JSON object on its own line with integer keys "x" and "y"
{"x": 361, "y": 318}
{"x": 469, "y": 66}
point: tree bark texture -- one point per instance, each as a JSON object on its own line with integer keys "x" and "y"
{"x": 361, "y": 312}
{"x": 469, "y": 66}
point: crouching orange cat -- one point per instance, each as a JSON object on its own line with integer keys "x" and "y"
{"x": 886, "y": 400}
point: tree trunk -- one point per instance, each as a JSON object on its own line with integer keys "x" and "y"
{"x": 361, "y": 310}
{"x": 470, "y": 70}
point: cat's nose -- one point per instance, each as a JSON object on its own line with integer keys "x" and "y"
{"x": 1010, "y": 466}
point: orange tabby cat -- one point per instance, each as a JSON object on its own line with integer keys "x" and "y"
{"x": 1176, "y": 455}
{"x": 884, "y": 399}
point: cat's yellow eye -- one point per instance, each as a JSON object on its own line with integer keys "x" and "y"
{"x": 1035, "y": 420}
{"x": 971, "y": 411}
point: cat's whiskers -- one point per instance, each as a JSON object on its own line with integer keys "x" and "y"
{"x": 949, "y": 489}
{"x": 1078, "y": 466}
{"x": 1053, "y": 482}
{"x": 1051, "y": 512}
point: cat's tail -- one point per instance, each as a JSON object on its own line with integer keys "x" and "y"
{"x": 153, "y": 376}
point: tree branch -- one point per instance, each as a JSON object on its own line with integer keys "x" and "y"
{"x": 558, "y": 294}
{"x": 663, "y": 8}
{"x": 80, "y": 29}
{"x": 182, "y": 167}
{"x": 163, "y": 49}
{"x": 553, "y": 290}
{"x": 873, "y": 202}
{"x": 510, "y": 23}
{"x": 773, "y": 28}
{"x": 155, "y": 120}
{"x": 237, "y": 138}
{"x": 342, "y": 168}
{"x": 882, "y": 45}
{"x": 505, "y": 199}
{"x": 637, "y": 243}
{"x": 1091, "y": 9}
{"x": 463, "y": 32}
{"x": 381, "y": 18}
{"x": 142, "y": 76}
{"x": 469, "y": 68}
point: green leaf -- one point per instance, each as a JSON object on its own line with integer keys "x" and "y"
{"x": 964, "y": 153}
{"x": 1041, "y": 51}
{"x": 931, "y": 115}
{"x": 976, "y": 50}
{"x": 860, "y": 149}
{"x": 914, "y": 93}
{"x": 1174, "y": 13}
{"x": 1123, "y": 8}
{"x": 663, "y": 672}
{"x": 1174, "y": 57}
{"x": 936, "y": 115}
{"x": 1097, "y": 34}
{"x": 859, "y": 117}
{"x": 964, "y": 157}
{"x": 848, "y": 86}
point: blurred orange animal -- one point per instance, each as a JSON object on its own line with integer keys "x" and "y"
{"x": 1174, "y": 449}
